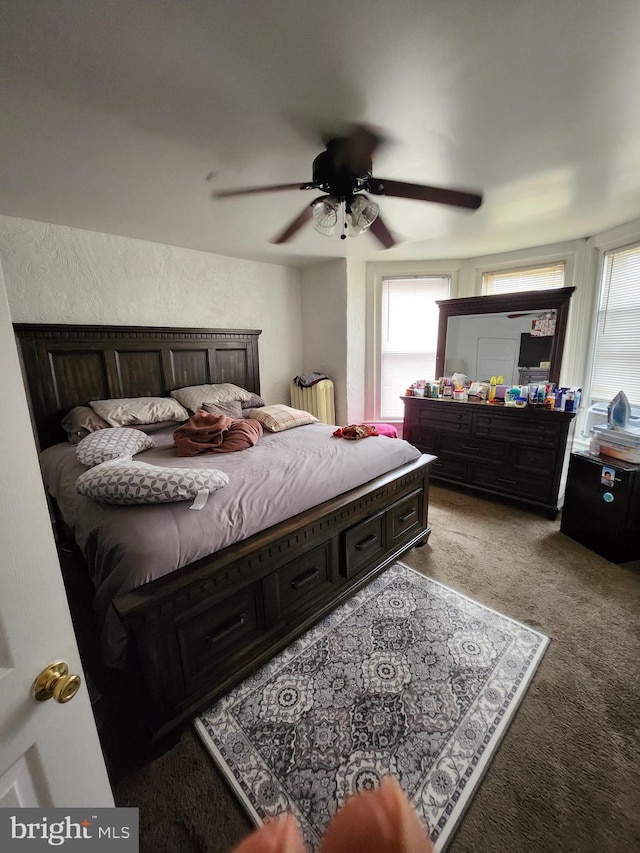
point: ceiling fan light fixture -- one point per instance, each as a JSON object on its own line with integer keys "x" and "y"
{"x": 362, "y": 215}
{"x": 324, "y": 213}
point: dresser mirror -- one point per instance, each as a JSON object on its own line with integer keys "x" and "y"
{"x": 517, "y": 335}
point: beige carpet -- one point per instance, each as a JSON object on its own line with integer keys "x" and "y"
{"x": 567, "y": 774}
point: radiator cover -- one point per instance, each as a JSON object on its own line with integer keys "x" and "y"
{"x": 317, "y": 399}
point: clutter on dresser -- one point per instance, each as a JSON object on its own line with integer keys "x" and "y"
{"x": 496, "y": 391}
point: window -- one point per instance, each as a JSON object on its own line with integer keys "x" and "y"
{"x": 530, "y": 278}
{"x": 409, "y": 324}
{"x": 616, "y": 359}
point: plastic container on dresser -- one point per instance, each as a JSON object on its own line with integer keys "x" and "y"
{"x": 516, "y": 453}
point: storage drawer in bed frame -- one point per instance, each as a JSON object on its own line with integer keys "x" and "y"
{"x": 198, "y": 634}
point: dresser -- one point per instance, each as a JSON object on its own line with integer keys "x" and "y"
{"x": 501, "y": 450}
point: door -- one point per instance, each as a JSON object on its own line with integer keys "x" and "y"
{"x": 49, "y": 752}
{"x": 497, "y": 357}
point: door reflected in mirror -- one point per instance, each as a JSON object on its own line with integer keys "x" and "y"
{"x": 486, "y": 345}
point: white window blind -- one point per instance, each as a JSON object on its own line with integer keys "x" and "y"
{"x": 409, "y": 327}
{"x": 616, "y": 358}
{"x": 530, "y": 278}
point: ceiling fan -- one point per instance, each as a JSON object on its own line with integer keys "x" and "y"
{"x": 343, "y": 172}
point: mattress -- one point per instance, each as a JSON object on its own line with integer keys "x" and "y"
{"x": 282, "y": 475}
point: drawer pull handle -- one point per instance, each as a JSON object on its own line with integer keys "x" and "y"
{"x": 304, "y": 579}
{"x": 407, "y": 516}
{"x": 361, "y": 546}
{"x": 507, "y": 480}
{"x": 229, "y": 629}
{"x": 470, "y": 447}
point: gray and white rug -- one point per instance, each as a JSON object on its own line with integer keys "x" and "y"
{"x": 407, "y": 678}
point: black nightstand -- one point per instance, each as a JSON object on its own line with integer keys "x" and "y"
{"x": 604, "y": 516}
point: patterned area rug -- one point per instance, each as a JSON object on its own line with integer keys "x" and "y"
{"x": 407, "y": 678}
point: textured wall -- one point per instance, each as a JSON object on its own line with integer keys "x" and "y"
{"x": 324, "y": 326}
{"x": 56, "y": 274}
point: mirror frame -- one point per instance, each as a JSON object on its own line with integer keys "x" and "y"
{"x": 530, "y": 300}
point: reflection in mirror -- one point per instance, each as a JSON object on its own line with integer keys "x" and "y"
{"x": 519, "y": 336}
{"x": 507, "y": 345}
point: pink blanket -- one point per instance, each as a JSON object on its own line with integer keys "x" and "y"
{"x": 207, "y": 433}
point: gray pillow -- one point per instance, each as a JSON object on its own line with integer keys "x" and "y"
{"x": 128, "y": 411}
{"x": 254, "y": 403}
{"x": 80, "y": 421}
{"x": 123, "y": 481}
{"x": 232, "y": 409}
{"x": 194, "y": 396}
{"x": 107, "y": 444}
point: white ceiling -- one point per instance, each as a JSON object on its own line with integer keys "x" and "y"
{"x": 115, "y": 111}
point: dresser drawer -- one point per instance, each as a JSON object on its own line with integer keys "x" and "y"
{"x": 534, "y": 460}
{"x": 209, "y": 640}
{"x": 539, "y": 431}
{"x": 423, "y": 437}
{"x": 304, "y": 581}
{"x": 510, "y": 482}
{"x": 470, "y": 446}
{"x": 363, "y": 544}
{"x": 450, "y": 467}
{"x": 452, "y": 417}
{"x": 405, "y": 518}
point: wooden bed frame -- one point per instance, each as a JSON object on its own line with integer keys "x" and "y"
{"x": 199, "y": 631}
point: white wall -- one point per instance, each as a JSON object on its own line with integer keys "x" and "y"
{"x": 356, "y": 343}
{"x": 324, "y": 326}
{"x": 57, "y": 274}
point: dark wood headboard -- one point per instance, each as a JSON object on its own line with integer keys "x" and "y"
{"x": 67, "y": 366}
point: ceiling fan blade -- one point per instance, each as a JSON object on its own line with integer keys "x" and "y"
{"x": 250, "y": 190}
{"x": 293, "y": 227}
{"x": 381, "y": 232}
{"x": 458, "y": 198}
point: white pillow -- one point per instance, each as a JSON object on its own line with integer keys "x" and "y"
{"x": 107, "y": 444}
{"x": 123, "y": 481}
{"x": 279, "y": 417}
{"x": 139, "y": 410}
{"x": 195, "y": 395}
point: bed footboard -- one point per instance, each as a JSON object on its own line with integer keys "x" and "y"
{"x": 200, "y": 631}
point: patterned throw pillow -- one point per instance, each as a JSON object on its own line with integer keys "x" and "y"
{"x": 195, "y": 395}
{"x": 139, "y": 410}
{"x": 279, "y": 417}
{"x": 123, "y": 481}
{"x": 107, "y": 444}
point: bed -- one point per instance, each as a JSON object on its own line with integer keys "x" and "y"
{"x": 189, "y": 617}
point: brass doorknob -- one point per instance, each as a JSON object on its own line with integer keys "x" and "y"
{"x": 54, "y": 682}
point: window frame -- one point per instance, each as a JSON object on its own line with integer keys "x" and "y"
{"x": 520, "y": 268}
{"x": 376, "y": 273}
{"x": 609, "y": 243}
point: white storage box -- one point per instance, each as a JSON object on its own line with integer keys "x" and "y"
{"x": 617, "y": 443}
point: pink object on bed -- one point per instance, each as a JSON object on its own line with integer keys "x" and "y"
{"x": 386, "y": 429}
